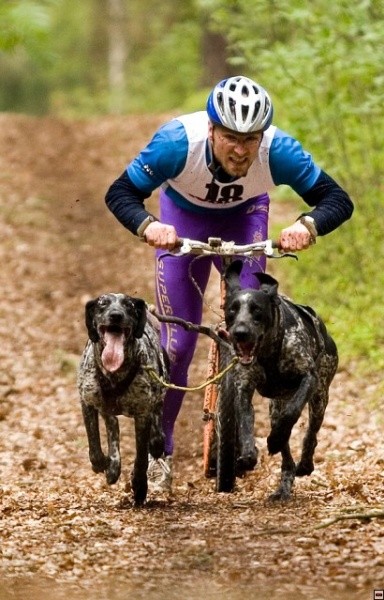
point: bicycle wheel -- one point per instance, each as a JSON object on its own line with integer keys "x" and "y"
{"x": 226, "y": 429}
{"x": 209, "y": 410}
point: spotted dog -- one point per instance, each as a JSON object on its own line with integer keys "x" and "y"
{"x": 286, "y": 354}
{"x": 114, "y": 380}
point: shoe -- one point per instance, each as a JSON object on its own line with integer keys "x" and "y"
{"x": 160, "y": 474}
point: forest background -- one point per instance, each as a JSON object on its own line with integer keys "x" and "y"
{"x": 320, "y": 61}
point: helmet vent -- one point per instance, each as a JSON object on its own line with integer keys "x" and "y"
{"x": 256, "y": 111}
{"x": 240, "y": 104}
{"x": 244, "y": 112}
{"x": 232, "y": 107}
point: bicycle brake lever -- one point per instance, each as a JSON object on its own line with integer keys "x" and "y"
{"x": 284, "y": 255}
{"x": 270, "y": 248}
{"x": 185, "y": 247}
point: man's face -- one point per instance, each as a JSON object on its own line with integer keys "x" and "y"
{"x": 234, "y": 151}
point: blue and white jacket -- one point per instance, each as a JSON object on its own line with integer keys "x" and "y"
{"x": 178, "y": 159}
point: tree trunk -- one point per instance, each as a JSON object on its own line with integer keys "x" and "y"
{"x": 117, "y": 54}
{"x": 214, "y": 52}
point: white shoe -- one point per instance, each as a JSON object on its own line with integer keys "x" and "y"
{"x": 160, "y": 474}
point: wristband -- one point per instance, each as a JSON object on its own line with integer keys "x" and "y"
{"x": 309, "y": 223}
{"x": 144, "y": 224}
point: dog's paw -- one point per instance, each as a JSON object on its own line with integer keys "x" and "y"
{"x": 100, "y": 464}
{"x": 140, "y": 496}
{"x": 113, "y": 472}
{"x": 281, "y": 495}
{"x": 98, "y": 468}
{"x": 304, "y": 468}
{"x": 139, "y": 484}
{"x": 156, "y": 446}
{"x": 246, "y": 462}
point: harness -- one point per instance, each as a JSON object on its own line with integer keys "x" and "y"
{"x": 111, "y": 391}
{"x": 311, "y": 320}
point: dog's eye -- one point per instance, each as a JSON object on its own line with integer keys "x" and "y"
{"x": 257, "y": 314}
{"x": 128, "y": 304}
{"x": 102, "y": 301}
{"x": 231, "y": 313}
{"x": 233, "y": 307}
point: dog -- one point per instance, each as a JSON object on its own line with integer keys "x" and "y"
{"x": 113, "y": 379}
{"x": 287, "y": 355}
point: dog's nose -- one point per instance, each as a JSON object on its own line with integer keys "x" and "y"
{"x": 116, "y": 316}
{"x": 241, "y": 333}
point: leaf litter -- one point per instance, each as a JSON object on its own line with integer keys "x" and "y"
{"x": 62, "y": 529}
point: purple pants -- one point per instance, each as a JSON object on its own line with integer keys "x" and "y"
{"x": 177, "y": 295}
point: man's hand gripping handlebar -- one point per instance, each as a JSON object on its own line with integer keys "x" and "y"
{"x": 219, "y": 247}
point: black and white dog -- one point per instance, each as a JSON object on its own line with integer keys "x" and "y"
{"x": 114, "y": 380}
{"x": 286, "y": 354}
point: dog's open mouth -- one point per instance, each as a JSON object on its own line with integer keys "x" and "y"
{"x": 113, "y": 338}
{"x": 245, "y": 352}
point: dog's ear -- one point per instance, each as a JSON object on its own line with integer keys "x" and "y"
{"x": 232, "y": 276}
{"x": 141, "y": 312}
{"x": 269, "y": 285}
{"x": 89, "y": 322}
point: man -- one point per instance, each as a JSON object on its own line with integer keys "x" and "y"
{"x": 215, "y": 169}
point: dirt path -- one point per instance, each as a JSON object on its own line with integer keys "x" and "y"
{"x": 62, "y": 529}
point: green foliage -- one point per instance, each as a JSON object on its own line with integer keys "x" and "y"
{"x": 23, "y": 23}
{"x": 60, "y": 62}
{"x": 24, "y": 52}
{"x": 154, "y": 88}
{"x": 342, "y": 277}
{"x": 78, "y": 75}
{"x": 321, "y": 63}
{"x": 320, "y": 58}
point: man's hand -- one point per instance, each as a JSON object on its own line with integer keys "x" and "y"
{"x": 161, "y": 236}
{"x": 296, "y": 237}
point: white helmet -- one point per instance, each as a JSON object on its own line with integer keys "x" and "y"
{"x": 240, "y": 104}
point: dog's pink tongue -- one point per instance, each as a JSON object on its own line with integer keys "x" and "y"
{"x": 245, "y": 353}
{"x": 113, "y": 354}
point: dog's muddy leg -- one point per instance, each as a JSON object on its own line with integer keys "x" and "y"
{"x": 283, "y": 492}
{"x": 316, "y": 409}
{"x": 98, "y": 460}
{"x": 245, "y": 416}
{"x": 284, "y": 415}
{"x": 139, "y": 474}
{"x": 156, "y": 440}
{"x": 113, "y": 469}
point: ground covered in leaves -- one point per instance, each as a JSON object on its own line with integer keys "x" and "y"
{"x": 62, "y": 529}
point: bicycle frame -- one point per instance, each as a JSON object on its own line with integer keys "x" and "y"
{"x": 211, "y": 391}
{"x": 219, "y": 407}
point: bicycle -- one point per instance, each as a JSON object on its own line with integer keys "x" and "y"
{"x": 220, "y": 428}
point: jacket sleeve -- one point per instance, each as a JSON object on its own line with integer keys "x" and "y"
{"x": 126, "y": 202}
{"x": 332, "y": 205}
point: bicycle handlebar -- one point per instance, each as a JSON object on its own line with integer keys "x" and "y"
{"x": 220, "y": 247}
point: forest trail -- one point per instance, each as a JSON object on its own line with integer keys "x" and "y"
{"x": 63, "y": 531}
